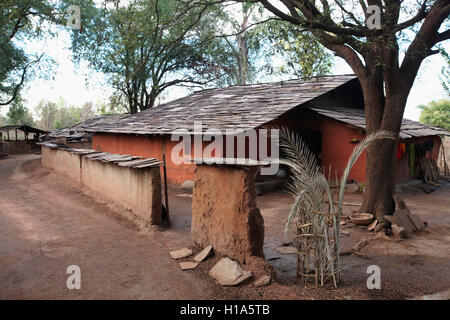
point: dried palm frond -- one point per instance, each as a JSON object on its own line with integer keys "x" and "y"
{"x": 311, "y": 190}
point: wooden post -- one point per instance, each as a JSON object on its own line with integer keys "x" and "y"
{"x": 166, "y": 196}
{"x": 443, "y": 155}
{"x": 16, "y": 133}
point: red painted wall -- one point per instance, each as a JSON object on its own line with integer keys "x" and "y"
{"x": 336, "y": 145}
{"x": 149, "y": 147}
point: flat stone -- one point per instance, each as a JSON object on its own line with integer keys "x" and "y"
{"x": 418, "y": 223}
{"x": 287, "y": 250}
{"x": 398, "y": 231}
{"x": 263, "y": 281}
{"x": 188, "y": 265}
{"x": 181, "y": 253}
{"x": 228, "y": 272}
{"x": 203, "y": 254}
{"x": 345, "y": 232}
{"x": 372, "y": 225}
{"x": 402, "y": 217}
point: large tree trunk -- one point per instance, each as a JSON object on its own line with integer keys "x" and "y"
{"x": 242, "y": 40}
{"x": 380, "y": 181}
{"x": 243, "y": 59}
{"x": 382, "y": 114}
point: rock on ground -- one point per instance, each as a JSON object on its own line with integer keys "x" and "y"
{"x": 263, "y": 281}
{"x": 203, "y": 254}
{"x": 228, "y": 272}
{"x": 181, "y": 253}
{"x": 188, "y": 265}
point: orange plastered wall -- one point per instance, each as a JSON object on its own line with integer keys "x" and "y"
{"x": 337, "y": 148}
{"x": 148, "y": 147}
{"x": 336, "y": 142}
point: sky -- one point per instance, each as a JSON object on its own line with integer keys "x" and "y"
{"x": 77, "y": 85}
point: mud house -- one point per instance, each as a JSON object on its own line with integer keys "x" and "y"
{"x": 327, "y": 111}
{"x": 19, "y": 139}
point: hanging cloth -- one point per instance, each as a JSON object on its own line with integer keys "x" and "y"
{"x": 399, "y": 151}
{"x": 402, "y": 149}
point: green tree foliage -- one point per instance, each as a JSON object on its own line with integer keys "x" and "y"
{"x": 115, "y": 105}
{"x": 18, "y": 113}
{"x": 248, "y": 47}
{"x": 47, "y": 113}
{"x": 3, "y": 121}
{"x": 19, "y": 20}
{"x": 300, "y": 53}
{"x": 57, "y": 115}
{"x": 145, "y": 46}
{"x": 445, "y": 72}
{"x": 436, "y": 113}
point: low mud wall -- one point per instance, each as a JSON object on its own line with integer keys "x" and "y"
{"x": 19, "y": 147}
{"x": 136, "y": 190}
{"x": 224, "y": 212}
{"x": 62, "y": 162}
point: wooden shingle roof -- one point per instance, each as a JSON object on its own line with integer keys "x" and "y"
{"x": 355, "y": 117}
{"x": 241, "y": 108}
{"x": 238, "y": 107}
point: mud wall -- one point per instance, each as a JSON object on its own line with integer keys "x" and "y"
{"x": 62, "y": 162}
{"x": 224, "y": 212}
{"x": 148, "y": 147}
{"x": 20, "y": 146}
{"x": 138, "y": 191}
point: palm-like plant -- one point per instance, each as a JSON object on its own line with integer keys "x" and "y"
{"x": 311, "y": 190}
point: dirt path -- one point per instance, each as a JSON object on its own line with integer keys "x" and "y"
{"x": 47, "y": 225}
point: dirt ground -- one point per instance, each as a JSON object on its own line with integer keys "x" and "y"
{"x": 47, "y": 224}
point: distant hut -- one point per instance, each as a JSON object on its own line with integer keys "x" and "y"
{"x": 19, "y": 139}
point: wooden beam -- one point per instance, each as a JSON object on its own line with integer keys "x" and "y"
{"x": 166, "y": 196}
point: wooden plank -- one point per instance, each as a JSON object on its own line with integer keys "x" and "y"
{"x": 96, "y": 155}
{"x": 153, "y": 164}
{"x": 137, "y": 162}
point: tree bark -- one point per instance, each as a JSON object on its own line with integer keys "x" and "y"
{"x": 382, "y": 114}
{"x": 242, "y": 40}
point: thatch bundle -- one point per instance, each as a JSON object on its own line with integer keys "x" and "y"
{"x": 317, "y": 244}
